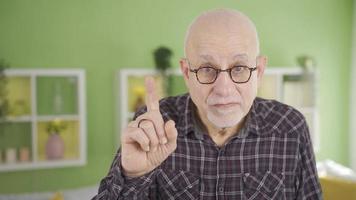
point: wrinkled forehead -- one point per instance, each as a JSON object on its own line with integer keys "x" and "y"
{"x": 215, "y": 60}
{"x": 225, "y": 32}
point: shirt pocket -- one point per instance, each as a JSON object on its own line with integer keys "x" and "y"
{"x": 263, "y": 185}
{"x": 178, "y": 184}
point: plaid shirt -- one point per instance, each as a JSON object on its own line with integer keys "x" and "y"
{"x": 270, "y": 158}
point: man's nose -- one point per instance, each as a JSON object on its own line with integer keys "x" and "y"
{"x": 223, "y": 84}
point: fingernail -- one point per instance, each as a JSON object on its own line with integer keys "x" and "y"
{"x": 147, "y": 148}
{"x": 164, "y": 140}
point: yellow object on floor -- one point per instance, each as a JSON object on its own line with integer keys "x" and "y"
{"x": 337, "y": 189}
{"x": 57, "y": 196}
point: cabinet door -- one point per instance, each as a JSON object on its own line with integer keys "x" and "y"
{"x": 57, "y": 95}
{"x": 57, "y": 117}
{"x": 18, "y": 89}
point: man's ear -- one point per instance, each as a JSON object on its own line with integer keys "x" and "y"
{"x": 184, "y": 67}
{"x": 261, "y": 66}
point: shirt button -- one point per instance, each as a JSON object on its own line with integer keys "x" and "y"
{"x": 221, "y": 152}
{"x": 221, "y": 189}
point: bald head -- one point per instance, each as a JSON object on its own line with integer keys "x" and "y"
{"x": 225, "y": 27}
{"x": 226, "y": 40}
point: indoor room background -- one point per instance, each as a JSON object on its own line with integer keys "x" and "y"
{"x": 102, "y": 37}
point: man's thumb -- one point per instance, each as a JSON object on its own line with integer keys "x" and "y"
{"x": 171, "y": 131}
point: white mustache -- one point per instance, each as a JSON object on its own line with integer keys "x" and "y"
{"x": 220, "y": 100}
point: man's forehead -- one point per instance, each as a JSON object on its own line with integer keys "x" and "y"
{"x": 222, "y": 28}
{"x": 214, "y": 58}
{"x": 222, "y": 18}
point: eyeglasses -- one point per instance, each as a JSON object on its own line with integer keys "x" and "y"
{"x": 238, "y": 74}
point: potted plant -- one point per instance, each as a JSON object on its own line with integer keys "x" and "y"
{"x": 55, "y": 144}
{"x": 4, "y": 104}
{"x": 162, "y": 56}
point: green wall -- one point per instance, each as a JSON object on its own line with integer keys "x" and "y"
{"x": 103, "y": 36}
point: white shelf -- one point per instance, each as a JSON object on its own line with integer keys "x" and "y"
{"x": 25, "y": 118}
{"x": 40, "y": 165}
{"x": 76, "y": 79}
{"x": 54, "y": 117}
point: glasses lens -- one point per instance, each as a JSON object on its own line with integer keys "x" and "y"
{"x": 206, "y": 74}
{"x": 240, "y": 74}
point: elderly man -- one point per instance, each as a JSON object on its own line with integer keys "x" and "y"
{"x": 219, "y": 141}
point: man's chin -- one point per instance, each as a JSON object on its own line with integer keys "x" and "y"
{"x": 224, "y": 121}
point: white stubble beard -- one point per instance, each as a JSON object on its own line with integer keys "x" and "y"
{"x": 225, "y": 119}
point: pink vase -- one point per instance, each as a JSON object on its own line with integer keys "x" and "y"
{"x": 54, "y": 147}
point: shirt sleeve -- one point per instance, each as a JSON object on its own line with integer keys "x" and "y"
{"x": 307, "y": 182}
{"x": 116, "y": 186}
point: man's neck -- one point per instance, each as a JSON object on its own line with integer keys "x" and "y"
{"x": 220, "y": 135}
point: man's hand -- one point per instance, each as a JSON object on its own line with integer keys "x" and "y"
{"x": 147, "y": 141}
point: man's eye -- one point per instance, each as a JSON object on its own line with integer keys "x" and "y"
{"x": 238, "y": 69}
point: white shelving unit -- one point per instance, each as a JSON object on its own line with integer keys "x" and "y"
{"x": 295, "y": 87}
{"x": 290, "y": 85}
{"x": 38, "y": 119}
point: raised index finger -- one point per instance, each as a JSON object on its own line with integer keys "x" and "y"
{"x": 151, "y": 96}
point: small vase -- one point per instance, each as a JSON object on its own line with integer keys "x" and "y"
{"x": 11, "y": 155}
{"x": 55, "y": 147}
{"x": 24, "y": 155}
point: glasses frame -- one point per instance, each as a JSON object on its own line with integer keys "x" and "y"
{"x": 218, "y": 71}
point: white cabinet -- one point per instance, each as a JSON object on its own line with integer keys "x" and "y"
{"x": 290, "y": 85}
{"x": 45, "y": 126}
{"x": 297, "y": 88}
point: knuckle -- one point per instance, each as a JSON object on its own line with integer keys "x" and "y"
{"x": 138, "y": 134}
{"x": 146, "y": 124}
{"x": 146, "y": 141}
{"x": 154, "y": 142}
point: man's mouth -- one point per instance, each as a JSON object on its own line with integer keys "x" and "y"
{"x": 225, "y": 105}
